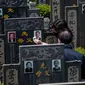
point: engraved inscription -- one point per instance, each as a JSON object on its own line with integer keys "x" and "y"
{"x": 12, "y": 77}
{"x": 73, "y": 74}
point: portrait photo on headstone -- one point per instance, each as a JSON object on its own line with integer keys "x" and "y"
{"x": 56, "y": 65}
{"x": 28, "y": 66}
{"x": 37, "y": 34}
{"x": 11, "y": 37}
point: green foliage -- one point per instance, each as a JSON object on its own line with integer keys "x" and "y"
{"x": 80, "y": 50}
{"x": 44, "y": 9}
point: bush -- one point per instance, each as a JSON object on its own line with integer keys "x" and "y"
{"x": 80, "y": 50}
{"x": 44, "y": 9}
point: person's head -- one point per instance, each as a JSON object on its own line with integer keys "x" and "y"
{"x": 65, "y": 37}
{"x": 59, "y": 25}
{"x": 28, "y": 65}
{"x": 56, "y": 63}
{"x": 37, "y": 34}
{"x": 11, "y": 36}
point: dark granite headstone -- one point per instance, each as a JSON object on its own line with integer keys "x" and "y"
{"x": 73, "y": 71}
{"x": 13, "y": 3}
{"x": 42, "y": 59}
{"x": 71, "y": 15}
{"x": 11, "y": 74}
{"x": 81, "y": 29}
{"x": 21, "y": 31}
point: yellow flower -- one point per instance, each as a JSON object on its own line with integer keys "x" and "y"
{"x": 47, "y": 73}
{"x": 29, "y": 40}
{"x": 24, "y": 34}
{"x": 38, "y": 74}
{"x": 42, "y": 65}
{"x": 6, "y": 16}
{"x": 10, "y": 10}
{"x": 20, "y": 40}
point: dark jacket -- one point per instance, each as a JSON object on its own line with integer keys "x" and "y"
{"x": 71, "y": 54}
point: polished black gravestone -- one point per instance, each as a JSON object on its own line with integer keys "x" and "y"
{"x": 13, "y": 3}
{"x": 81, "y": 29}
{"x": 21, "y": 32}
{"x": 71, "y": 16}
{"x": 73, "y": 71}
{"x": 42, "y": 60}
{"x": 11, "y": 74}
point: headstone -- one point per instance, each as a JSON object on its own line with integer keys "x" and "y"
{"x": 13, "y": 3}
{"x": 71, "y": 16}
{"x": 81, "y": 30}
{"x": 43, "y": 62}
{"x": 73, "y": 71}
{"x": 57, "y": 9}
{"x": 11, "y": 74}
{"x": 66, "y": 83}
{"x": 20, "y": 31}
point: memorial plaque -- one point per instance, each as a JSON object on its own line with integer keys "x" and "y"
{"x": 73, "y": 71}
{"x": 24, "y": 23}
{"x": 33, "y": 12}
{"x": 72, "y": 19}
{"x": 11, "y": 74}
{"x": 42, "y": 65}
{"x": 57, "y": 9}
{"x": 2, "y": 51}
{"x": 81, "y": 29}
{"x": 12, "y": 3}
{"x": 71, "y": 2}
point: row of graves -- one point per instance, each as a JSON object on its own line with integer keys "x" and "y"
{"x": 21, "y": 61}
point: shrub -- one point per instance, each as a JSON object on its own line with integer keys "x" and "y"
{"x": 44, "y": 9}
{"x": 80, "y": 50}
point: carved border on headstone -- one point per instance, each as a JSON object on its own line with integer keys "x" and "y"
{"x": 24, "y": 23}
{"x": 41, "y": 52}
